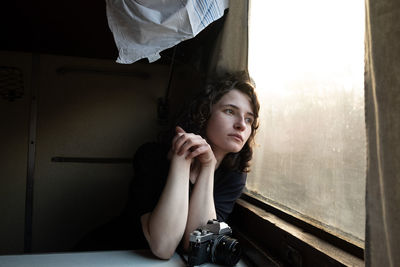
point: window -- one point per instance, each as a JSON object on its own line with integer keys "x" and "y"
{"x": 307, "y": 59}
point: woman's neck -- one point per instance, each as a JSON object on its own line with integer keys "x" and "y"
{"x": 219, "y": 156}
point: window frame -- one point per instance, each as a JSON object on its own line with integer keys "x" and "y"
{"x": 286, "y": 240}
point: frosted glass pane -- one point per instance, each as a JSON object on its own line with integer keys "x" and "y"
{"x": 310, "y": 158}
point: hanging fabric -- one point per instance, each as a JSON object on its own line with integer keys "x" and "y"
{"x": 382, "y": 104}
{"x": 230, "y": 52}
{"x": 142, "y": 29}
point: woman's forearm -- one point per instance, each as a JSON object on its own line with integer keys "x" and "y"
{"x": 201, "y": 206}
{"x": 165, "y": 225}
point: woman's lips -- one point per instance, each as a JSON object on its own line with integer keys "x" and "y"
{"x": 237, "y": 137}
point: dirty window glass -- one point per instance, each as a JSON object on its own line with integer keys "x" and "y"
{"x": 307, "y": 60}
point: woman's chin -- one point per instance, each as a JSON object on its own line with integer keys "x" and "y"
{"x": 235, "y": 148}
{"x": 228, "y": 148}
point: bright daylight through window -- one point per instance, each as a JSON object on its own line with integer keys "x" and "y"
{"x": 307, "y": 60}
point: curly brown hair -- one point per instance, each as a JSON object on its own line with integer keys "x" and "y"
{"x": 194, "y": 119}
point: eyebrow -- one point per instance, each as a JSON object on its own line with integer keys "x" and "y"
{"x": 236, "y": 107}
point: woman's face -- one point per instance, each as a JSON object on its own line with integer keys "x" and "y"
{"x": 229, "y": 125}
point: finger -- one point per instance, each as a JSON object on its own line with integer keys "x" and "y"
{"x": 178, "y": 140}
{"x": 190, "y": 143}
{"x": 179, "y": 132}
{"x": 179, "y": 129}
{"x": 203, "y": 149}
{"x": 175, "y": 140}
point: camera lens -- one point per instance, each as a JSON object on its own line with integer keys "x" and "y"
{"x": 226, "y": 251}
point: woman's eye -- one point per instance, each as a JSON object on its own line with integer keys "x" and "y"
{"x": 229, "y": 111}
{"x": 249, "y": 120}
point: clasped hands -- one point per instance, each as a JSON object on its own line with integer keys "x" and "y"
{"x": 191, "y": 147}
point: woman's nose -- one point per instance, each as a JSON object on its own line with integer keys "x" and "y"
{"x": 240, "y": 124}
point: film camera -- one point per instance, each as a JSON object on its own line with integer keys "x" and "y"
{"x": 212, "y": 243}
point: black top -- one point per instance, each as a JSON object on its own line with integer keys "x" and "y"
{"x": 151, "y": 168}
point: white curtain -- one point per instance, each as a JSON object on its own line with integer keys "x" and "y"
{"x": 142, "y": 29}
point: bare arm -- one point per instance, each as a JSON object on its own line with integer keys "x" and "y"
{"x": 173, "y": 217}
{"x": 201, "y": 207}
{"x": 201, "y": 204}
{"x": 165, "y": 225}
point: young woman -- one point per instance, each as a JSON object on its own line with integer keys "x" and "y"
{"x": 196, "y": 177}
{"x": 203, "y": 171}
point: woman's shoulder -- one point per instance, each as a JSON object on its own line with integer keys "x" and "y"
{"x": 150, "y": 153}
{"x": 150, "y": 147}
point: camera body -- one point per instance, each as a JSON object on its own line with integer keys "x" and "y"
{"x": 212, "y": 243}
